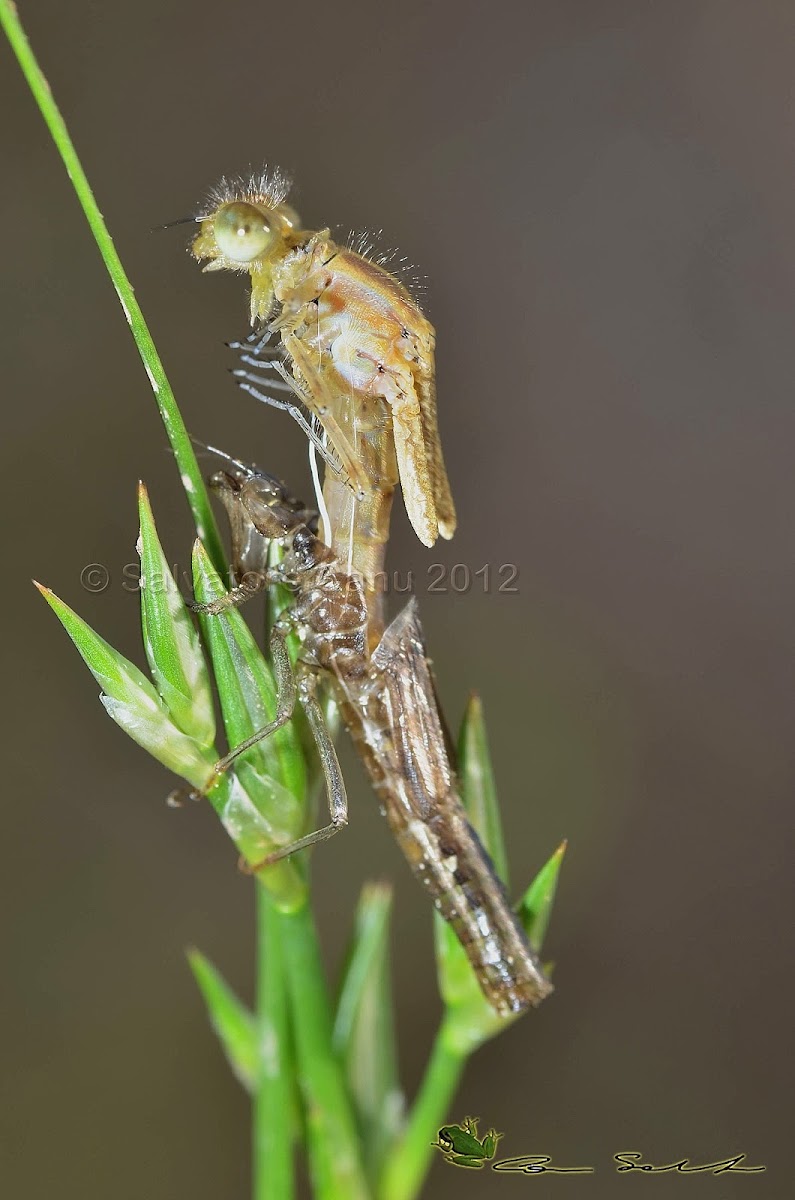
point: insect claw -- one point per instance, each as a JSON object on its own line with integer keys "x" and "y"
{"x": 247, "y": 868}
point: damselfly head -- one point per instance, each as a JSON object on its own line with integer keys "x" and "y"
{"x": 246, "y": 225}
{"x": 246, "y": 482}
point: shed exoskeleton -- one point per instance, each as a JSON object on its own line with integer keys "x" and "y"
{"x": 388, "y": 702}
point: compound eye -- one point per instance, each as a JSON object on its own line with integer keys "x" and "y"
{"x": 241, "y": 232}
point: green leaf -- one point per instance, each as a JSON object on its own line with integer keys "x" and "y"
{"x": 535, "y": 907}
{"x": 280, "y": 598}
{"x": 169, "y": 745}
{"x": 248, "y": 700}
{"x": 333, "y": 1146}
{"x": 477, "y": 785}
{"x": 230, "y": 1019}
{"x": 132, "y": 702}
{"x": 170, "y": 639}
{"x": 268, "y": 810}
{"x": 115, "y": 674}
{"x": 277, "y": 1114}
{"x": 364, "y": 1033}
{"x": 454, "y": 973}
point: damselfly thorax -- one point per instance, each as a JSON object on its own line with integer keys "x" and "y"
{"x": 388, "y": 703}
{"x": 346, "y": 340}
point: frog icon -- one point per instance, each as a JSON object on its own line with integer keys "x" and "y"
{"x": 461, "y": 1146}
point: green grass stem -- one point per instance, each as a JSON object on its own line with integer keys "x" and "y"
{"x": 190, "y": 472}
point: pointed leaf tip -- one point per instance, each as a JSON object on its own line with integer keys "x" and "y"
{"x": 364, "y": 1033}
{"x": 170, "y": 638}
{"x": 478, "y": 790}
{"x": 230, "y": 1018}
{"x": 535, "y": 907}
{"x": 132, "y": 702}
{"x": 115, "y": 674}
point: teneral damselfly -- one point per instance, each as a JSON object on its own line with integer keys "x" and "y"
{"x": 343, "y": 338}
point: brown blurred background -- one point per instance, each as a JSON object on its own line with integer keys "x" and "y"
{"x": 602, "y": 199}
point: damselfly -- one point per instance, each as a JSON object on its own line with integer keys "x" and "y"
{"x": 388, "y": 703}
{"x": 342, "y": 337}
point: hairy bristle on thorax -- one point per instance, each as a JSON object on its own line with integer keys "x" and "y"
{"x": 365, "y": 243}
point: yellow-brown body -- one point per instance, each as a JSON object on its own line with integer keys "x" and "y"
{"x": 360, "y": 356}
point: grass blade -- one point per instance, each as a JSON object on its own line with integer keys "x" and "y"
{"x": 229, "y": 1017}
{"x": 535, "y": 907}
{"x": 364, "y": 1032}
{"x": 170, "y": 638}
{"x": 131, "y": 700}
{"x": 172, "y": 419}
{"x": 478, "y": 790}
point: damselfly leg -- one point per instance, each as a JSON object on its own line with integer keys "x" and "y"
{"x": 291, "y": 687}
{"x": 268, "y": 374}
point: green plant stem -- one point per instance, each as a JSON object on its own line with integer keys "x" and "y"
{"x": 272, "y": 1116}
{"x": 408, "y": 1160}
{"x": 172, "y": 419}
{"x": 333, "y": 1144}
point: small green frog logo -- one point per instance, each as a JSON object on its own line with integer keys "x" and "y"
{"x": 461, "y": 1146}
